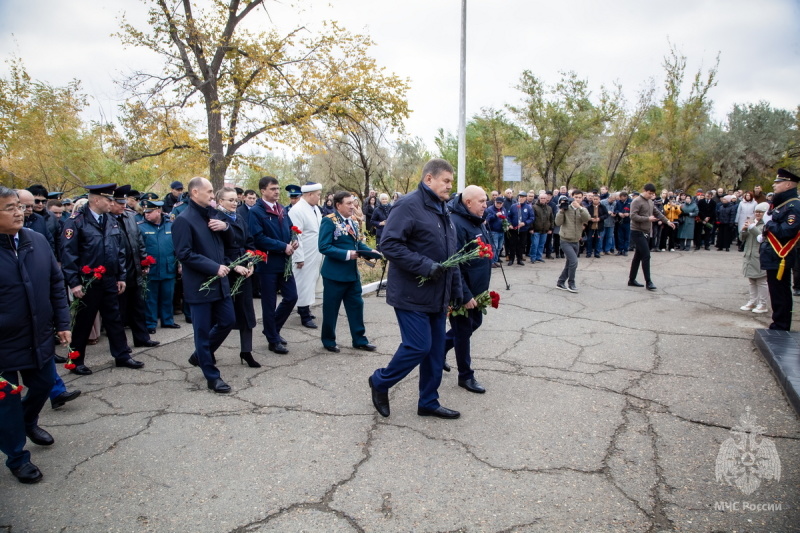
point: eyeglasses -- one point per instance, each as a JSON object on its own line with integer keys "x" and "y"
{"x": 24, "y": 207}
{"x": 38, "y": 201}
{"x": 13, "y": 208}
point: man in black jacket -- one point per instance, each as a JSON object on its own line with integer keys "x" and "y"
{"x": 36, "y": 305}
{"x": 417, "y": 238}
{"x": 200, "y": 238}
{"x": 707, "y": 212}
{"x": 467, "y": 215}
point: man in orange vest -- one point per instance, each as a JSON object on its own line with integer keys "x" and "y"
{"x": 777, "y": 246}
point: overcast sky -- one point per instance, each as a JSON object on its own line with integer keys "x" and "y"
{"x": 616, "y": 40}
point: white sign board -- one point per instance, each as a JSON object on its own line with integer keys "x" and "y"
{"x": 512, "y": 171}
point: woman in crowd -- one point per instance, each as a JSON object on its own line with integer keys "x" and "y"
{"x": 744, "y": 211}
{"x": 689, "y": 210}
{"x": 672, "y": 210}
{"x": 358, "y": 216}
{"x": 243, "y": 301}
{"x": 379, "y": 217}
{"x": 327, "y": 207}
{"x": 751, "y": 263}
{"x": 369, "y": 209}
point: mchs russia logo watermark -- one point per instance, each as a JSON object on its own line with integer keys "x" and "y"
{"x": 745, "y": 460}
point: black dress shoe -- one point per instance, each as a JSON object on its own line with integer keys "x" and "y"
{"x": 634, "y": 283}
{"x": 82, "y": 370}
{"x": 193, "y": 360}
{"x": 59, "y": 359}
{"x": 334, "y": 348}
{"x": 651, "y": 286}
{"x": 171, "y": 326}
{"x": 63, "y": 398}
{"x": 39, "y": 436}
{"x": 188, "y": 320}
{"x": 521, "y": 263}
{"x": 219, "y": 386}
{"x": 439, "y": 412}
{"x": 27, "y": 473}
{"x": 147, "y": 344}
{"x": 446, "y": 367}
{"x": 309, "y": 324}
{"x": 472, "y": 385}
{"x": 151, "y": 331}
{"x": 282, "y": 340}
{"x": 380, "y": 400}
{"x": 278, "y": 348}
{"x": 368, "y": 347}
{"x": 128, "y": 363}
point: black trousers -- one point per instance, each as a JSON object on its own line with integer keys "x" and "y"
{"x": 515, "y": 242}
{"x": 102, "y": 297}
{"x": 780, "y": 294}
{"x": 131, "y": 310}
{"x": 641, "y": 255}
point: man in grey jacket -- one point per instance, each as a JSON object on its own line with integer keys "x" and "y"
{"x": 571, "y": 218}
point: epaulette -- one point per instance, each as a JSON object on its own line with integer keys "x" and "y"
{"x": 76, "y": 215}
{"x": 141, "y": 222}
{"x": 331, "y": 216}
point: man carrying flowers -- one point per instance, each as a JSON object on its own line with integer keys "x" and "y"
{"x": 467, "y": 215}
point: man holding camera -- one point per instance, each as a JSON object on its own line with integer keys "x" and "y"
{"x": 571, "y": 218}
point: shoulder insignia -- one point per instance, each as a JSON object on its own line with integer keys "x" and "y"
{"x": 141, "y": 222}
{"x": 68, "y": 233}
{"x": 791, "y": 219}
{"x": 331, "y": 216}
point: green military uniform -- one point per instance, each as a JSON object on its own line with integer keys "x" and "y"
{"x": 340, "y": 278}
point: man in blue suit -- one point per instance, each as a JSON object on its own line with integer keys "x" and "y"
{"x": 199, "y": 237}
{"x": 339, "y": 243}
{"x": 271, "y": 231}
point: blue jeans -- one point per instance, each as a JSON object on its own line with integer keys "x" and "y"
{"x": 211, "y": 322}
{"x": 537, "y": 245}
{"x": 422, "y": 343}
{"x": 624, "y": 238}
{"x": 19, "y": 414}
{"x": 608, "y": 238}
{"x": 497, "y": 245}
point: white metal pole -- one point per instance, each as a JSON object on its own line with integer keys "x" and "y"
{"x": 462, "y": 103}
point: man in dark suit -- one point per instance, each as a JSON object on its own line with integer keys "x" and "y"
{"x": 271, "y": 231}
{"x": 417, "y": 238}
{"x": 35, "y": 307}
{"x": 339, "y": 243}
{"x": 199, "y": 238}
{"x": 131, "y": 304}
{"x": 92, "y": 238}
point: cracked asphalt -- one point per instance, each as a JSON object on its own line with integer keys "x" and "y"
{"x": 605, "y": 411}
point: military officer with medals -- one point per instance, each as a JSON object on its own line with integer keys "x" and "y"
{"x": 339, "y": 243}
{"x": 778, "y": 241}
{"x": 92, "y": 238}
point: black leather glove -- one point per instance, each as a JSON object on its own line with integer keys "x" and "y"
{"x": 436, "y": 271}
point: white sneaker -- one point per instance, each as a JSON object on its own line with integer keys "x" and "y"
{"x": 748, "y": 306}
{"x": 761, "y": 309}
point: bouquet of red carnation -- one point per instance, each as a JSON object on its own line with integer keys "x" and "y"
{"x": 89, "y": 276}
{"x": 251, "y": 257}
{"x": 72, "y": 355}
{"x": 147, "y": 262}
{"x": 481, "y": 250}
{"x": 248, "y": 257}
{"x": 4, "y": 388}
{"x": 287, "y": 270}
{"x": 506, "y": 223}
{"x": 484, "y": 300}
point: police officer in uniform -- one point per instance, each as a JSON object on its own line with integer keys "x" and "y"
{"x": 778, "y": 241}
{"x": 93, "y": 238}
{"x": 156, "y": 230}
{"x": 295, "y": 192}
{"x": 131, "y": 305}
{"x": 339, "y": 243}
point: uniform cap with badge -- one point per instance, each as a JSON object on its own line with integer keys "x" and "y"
{"x": 785, "y": 175}
{"x": 121, "y": 193}
{"x": 106, "y": 190}
{"x": 293, "y": 190}
{"x": 151, "y": 205}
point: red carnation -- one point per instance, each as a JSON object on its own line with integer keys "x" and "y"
{"x": 296, "y": 230}
{"x": 101, "y": 270}
{"x": 16, "y": 390}
{"x": 2, "y": 395}
{"x": 3, "y": 384}
{"x": 70, "y": 366}
{"x": 86, "y": 269}
{"x": 74, "y": 354}
{"x": 98, "y": 275}
{"x": 495, "y": 299}
{"x": 501, "y": 216}
{"x": 148, "y": 261}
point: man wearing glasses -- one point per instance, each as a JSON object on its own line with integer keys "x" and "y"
{"x": 32, "y": 219}
{"x": 92, "y": 238}
{"x": 36, "y": 307}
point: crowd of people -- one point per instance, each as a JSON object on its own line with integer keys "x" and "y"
{"x": 115, "y": 259}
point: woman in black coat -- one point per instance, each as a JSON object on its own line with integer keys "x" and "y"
{"x": 243, "y": 301}
{"x": 379, "y": 217}
{"x": 369, "y": 209}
